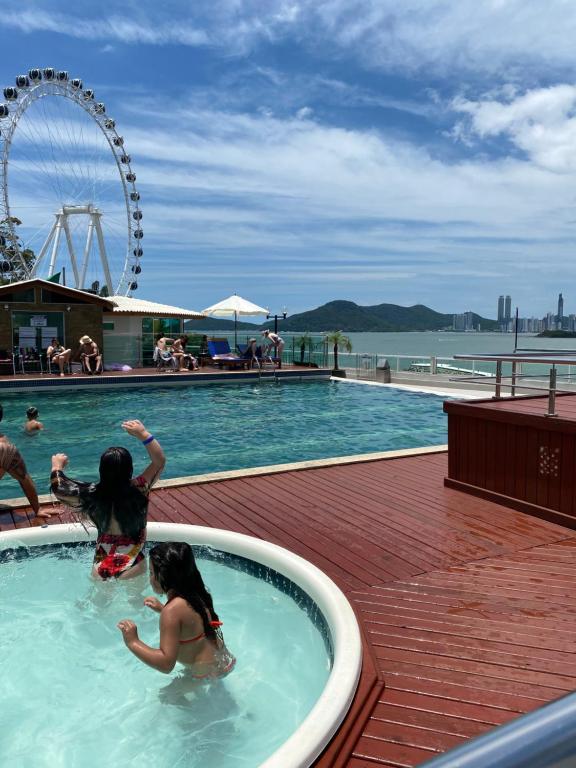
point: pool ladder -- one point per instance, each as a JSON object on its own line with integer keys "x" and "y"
{"x": 265, "y": 374}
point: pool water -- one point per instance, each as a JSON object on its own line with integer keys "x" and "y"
{"x": 220, "y": 427}
{"x": 73, "y": 696}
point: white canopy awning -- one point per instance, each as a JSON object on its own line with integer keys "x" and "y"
{"x": 234, "y": 306}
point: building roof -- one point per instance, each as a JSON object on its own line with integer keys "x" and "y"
{"x": 57, "y": 288}
{"x": 126, "y": 305}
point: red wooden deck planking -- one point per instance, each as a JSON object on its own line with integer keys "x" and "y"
{"x": 149, "y": 371}
{"x": 466, "y": 607}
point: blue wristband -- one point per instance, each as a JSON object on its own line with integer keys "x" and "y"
{"x": 148, "y": 440}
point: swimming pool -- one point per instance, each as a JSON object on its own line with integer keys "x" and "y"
{"x": 220, "y": 427}
{"x": 74, "y": 696}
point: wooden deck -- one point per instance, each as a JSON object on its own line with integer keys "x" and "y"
{"x": 468, "y": 609}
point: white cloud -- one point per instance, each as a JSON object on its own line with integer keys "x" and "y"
{"x": 541, "y": 122}
{"x": 304, "y": 113}
{"x": 114, "y": 27}
{"x": 238, "y": 194}
{"x": 449, "y": 38}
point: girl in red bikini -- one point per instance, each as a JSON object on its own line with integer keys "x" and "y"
{"x": 189, "y": 626}
{"x": 117, "y": 504}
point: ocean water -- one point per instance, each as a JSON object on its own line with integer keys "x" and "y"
{"x": 430, "y": 343}
{"x": 448, "y": 344}
{"x": 219, "y": 427}
{"x": 73, "y": 696}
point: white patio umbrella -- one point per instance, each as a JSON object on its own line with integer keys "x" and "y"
{"x": 233, "y": 306}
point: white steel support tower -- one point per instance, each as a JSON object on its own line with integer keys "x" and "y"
{"x": 54, "y": 236}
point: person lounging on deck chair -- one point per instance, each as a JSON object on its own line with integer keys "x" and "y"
{"x": 164, "y": 360}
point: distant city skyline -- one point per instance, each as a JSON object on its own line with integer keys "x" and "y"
{"x": 306, "y": 151}
{"x": 551, "y": 321}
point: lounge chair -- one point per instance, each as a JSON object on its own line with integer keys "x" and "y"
{"x": 259, "y": 361}
{"x": 31, "y": 360}
{"x": 7, "y": 363}
{"x": 164, "y": 361}
{"x": 222, "y": 356}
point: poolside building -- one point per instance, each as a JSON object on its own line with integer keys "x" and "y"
{"x": 33, "y": 311}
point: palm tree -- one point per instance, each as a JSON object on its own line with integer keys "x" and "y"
{"x": 303, "y": 342}
{"x": 338, "y": 339}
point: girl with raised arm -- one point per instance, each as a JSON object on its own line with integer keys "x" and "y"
{"x": 117, "y": 504}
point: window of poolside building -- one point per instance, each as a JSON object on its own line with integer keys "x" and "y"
{"x": 151, "y": 327}
{"x": 35, "y": 330}
{"x": 53, "y": 297}
{"x": 20, "y": 297}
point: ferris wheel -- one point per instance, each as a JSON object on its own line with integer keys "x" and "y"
{"x": 68, "y": 197}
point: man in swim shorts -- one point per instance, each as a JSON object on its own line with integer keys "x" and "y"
{"x": 11, "y": 461}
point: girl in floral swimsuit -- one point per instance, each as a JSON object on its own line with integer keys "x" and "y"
{"x": 117, "y": 504}
{"x": 189, "y": 626}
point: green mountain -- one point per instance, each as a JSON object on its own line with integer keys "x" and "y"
{"x": 350, "y": 317}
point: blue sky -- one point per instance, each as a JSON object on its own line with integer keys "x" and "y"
{"x": 421, "y": 151}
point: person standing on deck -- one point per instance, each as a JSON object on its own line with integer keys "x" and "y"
{"x": 274, "y": 341}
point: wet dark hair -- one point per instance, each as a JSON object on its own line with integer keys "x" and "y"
{"x": 115, "y": 494}
{"x": 54, "y": 341}
{"x": 32, "y": 412}
{"x": 160, "y": 336}
{"x": 175, "y": 568}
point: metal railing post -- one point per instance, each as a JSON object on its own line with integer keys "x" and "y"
{"x": 513, "y": 387}
{"x": 433, "y": 365}
{"x": 498, "y": 387}
{"x": 552, "y": 393}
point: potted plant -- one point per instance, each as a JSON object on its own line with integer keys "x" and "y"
{"x": 338, "y": 339}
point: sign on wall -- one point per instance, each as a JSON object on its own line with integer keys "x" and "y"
{"x": 37, "y": 321}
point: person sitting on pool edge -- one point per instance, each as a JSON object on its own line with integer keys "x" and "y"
{"x": 32, "y": 425}
{"x": 11, "y": 461}
{"x": 117, "y": 504}
{"x": 57, "y": 354}
{"x": 90, "y": 356}
{"x": 189, "y": 626}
